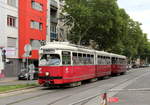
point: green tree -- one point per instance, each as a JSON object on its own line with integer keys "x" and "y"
{"x": 80, "y": 17}
{"x": 107, "y": 26}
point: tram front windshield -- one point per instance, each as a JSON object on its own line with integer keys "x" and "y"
{"x": 49, "y": 60}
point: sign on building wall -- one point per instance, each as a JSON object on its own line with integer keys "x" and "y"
{"x": 10, "y": 52}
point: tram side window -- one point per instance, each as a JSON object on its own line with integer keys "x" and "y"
{"x": 75, "y": 58}
{"x": 107, "y": 61}
{"x": 84, "y": 59}
{"x": 121, "y": 61}
{"x": 80, "y": 59}
{"x": 98, "y": 60}
{"x": 92, "y": 59}
{"x": 113, "y": 60}
{"x": 117, "y": 60}
{"x": 88, "y": 59}
{"x": 103, "y": 60}
{"x": 66, "y": 58}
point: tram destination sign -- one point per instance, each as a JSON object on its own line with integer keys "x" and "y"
{"x": 47, "y": 51}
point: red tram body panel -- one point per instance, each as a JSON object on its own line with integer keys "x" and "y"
{"x": 66, "y": 74}
{"x": 103, "y": 70}
{"x": 117, "y": 69}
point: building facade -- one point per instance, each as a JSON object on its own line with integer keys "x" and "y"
{"x": 55, "y": 26}
{"x": 32, "y": 27}
{"x": 28, "y": 22}
{"x": 22, "y": 22}
{"x": 9, "y": 33}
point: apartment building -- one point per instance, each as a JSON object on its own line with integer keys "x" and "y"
{"x": 24, "y": 22}
{"x": 32, "y": 27}
{"x": 55, "y": 24}
{"x": 9, "y": 32}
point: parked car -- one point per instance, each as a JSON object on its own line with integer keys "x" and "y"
{"x": 129, "y": 66}
{"x": 25, "y": 75}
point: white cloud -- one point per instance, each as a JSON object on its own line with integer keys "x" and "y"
{"x": 139, "y": 10}
{"x": 144, "y": 18}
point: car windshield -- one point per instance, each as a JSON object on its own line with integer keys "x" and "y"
{"x": 49, "y": 60}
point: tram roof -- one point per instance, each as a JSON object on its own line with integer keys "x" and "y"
{"x": 118, "y": 56}
{"x": 66, "y": 46}
{"x": 73, "y": 47}
{"x": 103, "y": 53}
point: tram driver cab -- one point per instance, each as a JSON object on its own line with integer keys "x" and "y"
{"x": 49, "y": 60}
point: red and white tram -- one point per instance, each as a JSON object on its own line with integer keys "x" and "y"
{"x": 64, "y": 63}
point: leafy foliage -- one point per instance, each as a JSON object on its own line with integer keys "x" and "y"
{"x": 109, "y": 27}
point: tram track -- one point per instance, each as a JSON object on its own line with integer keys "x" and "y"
{"x": 86, "y": 100}
{"x": 43, "y": 94}
{"x": 25, "y": 99}
{"x": 59, "y": 99}
{"x": 83, "y": 101}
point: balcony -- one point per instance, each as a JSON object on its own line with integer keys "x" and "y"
{"x": 54, "y": 3}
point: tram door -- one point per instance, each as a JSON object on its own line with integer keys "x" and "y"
{"x": 66, "y": 62}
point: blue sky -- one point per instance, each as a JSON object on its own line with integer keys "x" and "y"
{"x": 139, "y": 10}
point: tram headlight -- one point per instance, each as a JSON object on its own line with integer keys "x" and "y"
{"x": 47, "y": 73}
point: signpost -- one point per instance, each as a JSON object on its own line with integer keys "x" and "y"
{"x": 27, "y": 49}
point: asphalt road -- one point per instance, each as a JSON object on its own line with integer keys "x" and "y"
{"x": 127, "y": 88}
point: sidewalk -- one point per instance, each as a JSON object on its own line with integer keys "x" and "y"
{"x": 14, "y": 81}
{"x": 7, "y": 79}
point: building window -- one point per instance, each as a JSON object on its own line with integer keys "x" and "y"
{"x": 53, "y": 36}
{"x": 11, "y": 2}
{"x": 11, "y": 42}
{"x": 36, "y": 25}
{"x": 11, "y": 21}
{"x": 53, "y": 31}
{"x": 37, "y": 6}
{"x": 53, "y": 28}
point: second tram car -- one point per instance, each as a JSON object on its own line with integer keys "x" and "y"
{"x": 63, "y": 63}
{"x": 118, "y": 65}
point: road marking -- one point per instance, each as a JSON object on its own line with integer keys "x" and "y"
{"x": 122, "y": 86}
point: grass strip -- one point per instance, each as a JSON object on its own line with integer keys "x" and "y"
{"x": 14, "y": 87}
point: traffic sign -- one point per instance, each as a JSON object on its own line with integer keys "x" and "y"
{"x": 35, "y": 45}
